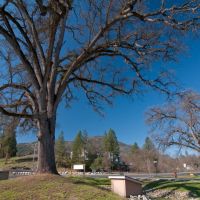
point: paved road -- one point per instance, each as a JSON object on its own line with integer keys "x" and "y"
{"x": 180, "y": 176}
{"x": 141, "y": 176}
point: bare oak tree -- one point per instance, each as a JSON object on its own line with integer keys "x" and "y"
{"x": 178, "y": 122}
{"x": 50, "y": 48}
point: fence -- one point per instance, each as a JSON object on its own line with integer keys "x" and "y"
{"x": 16, "y": 173}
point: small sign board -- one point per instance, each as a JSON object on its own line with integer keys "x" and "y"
{"x": 79, "y": 167}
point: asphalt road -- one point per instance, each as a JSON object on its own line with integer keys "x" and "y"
{"x": 169, "y": 176}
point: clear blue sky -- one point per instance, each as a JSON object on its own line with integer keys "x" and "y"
{"x": 126, "y": 117}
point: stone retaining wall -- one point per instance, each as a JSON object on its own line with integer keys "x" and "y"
{"x": 4, "y": 175}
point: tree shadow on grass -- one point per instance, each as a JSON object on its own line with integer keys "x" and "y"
{"x": 153, "y": 185}
{"x": 192, "y": 187}
{"x": 28, "y": 159}
{"x": 99, "y": 183}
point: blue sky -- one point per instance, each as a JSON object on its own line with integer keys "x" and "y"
{"x": 126, "y": 117}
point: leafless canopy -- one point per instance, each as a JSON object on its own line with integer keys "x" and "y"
{"x": 51, "y": 48}
{"x": 48, "y": 48}
{"x": 178, "y": 122}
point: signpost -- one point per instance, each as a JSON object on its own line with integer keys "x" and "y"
{"x": 79, "y": 167}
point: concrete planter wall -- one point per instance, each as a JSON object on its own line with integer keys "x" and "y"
{"x": 125, "y": 186}
{"x": 4, "y": 175}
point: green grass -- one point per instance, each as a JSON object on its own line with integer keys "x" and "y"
{"x": 90, "y": 181}
{"x": 192, "y": 186}
{"x": 42, "y": 187}
{"x": 25, "y": 161}
{"x": 74, "y": 188}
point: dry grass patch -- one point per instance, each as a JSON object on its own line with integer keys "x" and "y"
{"x": 52, "y": 187}
{"x": 18, "y": 162}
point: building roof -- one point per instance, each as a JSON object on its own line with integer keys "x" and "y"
{"x": 125, "y": 178}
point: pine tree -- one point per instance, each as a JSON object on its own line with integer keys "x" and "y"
{"x": 8, "y": 140}
{"x": 148, "y": 145}
{"x": 60, "y": 150}
{"x": 78, "y": 148}
{"x": 134, "y": 148}
{"x": 111, "y": 143}
{"x": 97, "y": 164}
{"x": 10, "y": 145}
{"x": 150, "y": 154}
{"x": 111, "y": 147}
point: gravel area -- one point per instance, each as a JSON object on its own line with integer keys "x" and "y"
{"x": 170, "y": 194}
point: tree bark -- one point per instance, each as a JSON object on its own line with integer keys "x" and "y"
{"x": 46, "y": 141}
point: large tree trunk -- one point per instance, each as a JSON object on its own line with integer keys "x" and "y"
{"x": 46, "y": 141}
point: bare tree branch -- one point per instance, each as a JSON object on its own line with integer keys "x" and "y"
{"x": 177, "y": 122}
{"x": 104, "y": 48}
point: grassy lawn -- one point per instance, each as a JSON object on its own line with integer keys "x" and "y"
{"x": 25, "y": 161}
{"x": 192, "y": 186}
{"x": 75, "y": 188}
{"x": 42, "y": 187}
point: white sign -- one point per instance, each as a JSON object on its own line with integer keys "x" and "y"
{"x": 78, "y": 167}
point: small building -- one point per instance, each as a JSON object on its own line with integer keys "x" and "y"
{"x": 125, "y": 186}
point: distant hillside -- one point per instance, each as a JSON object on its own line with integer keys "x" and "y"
{"x": 96, "y": 142}
{"x": 24, "y": 149}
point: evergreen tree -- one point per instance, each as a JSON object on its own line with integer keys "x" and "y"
{"x": 78, "y": 148}
{"x": 85, "y": 145}
{"x": 91, "y": 152}
{"x": 134, "y": 148}
{"x": 60, "y": 150}
{"x": 111, "y": 146}
{"x": 148, "y": 145}
{"x": 8, "y": 143}
{"x": 111, "y": 143}
{"x": 150, "y": 155}
{"x": 97, "y": 164}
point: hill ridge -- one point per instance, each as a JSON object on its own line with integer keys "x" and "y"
{"x": 96, "y": 141}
